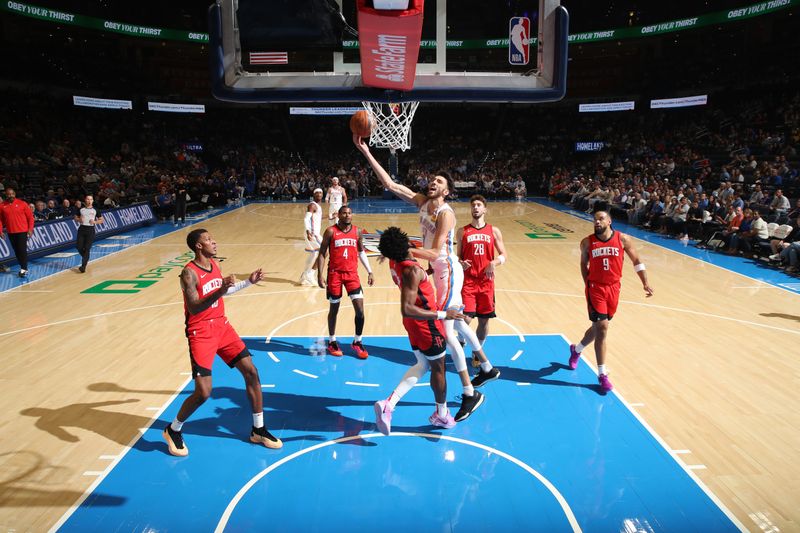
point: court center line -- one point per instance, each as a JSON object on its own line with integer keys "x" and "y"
{"x": 268, "y": 386}
{"x": 273, "y": 356}
{"x": 523, "y": 384}
{"x": 516, "y": 355}
{"x": 304, "y": 373}
{"x": 422, "y": 385}
{"x": 570, "y": 516}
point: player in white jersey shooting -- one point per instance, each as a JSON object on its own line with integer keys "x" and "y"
{"x": 438, "y": 223}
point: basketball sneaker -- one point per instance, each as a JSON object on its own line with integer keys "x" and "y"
{"x": 23, "y": 273}
{"x": 383, "y": 417}
{"x": 605, "y": 383}
{"x": 333, "y": 349}
{"x": 447, "y": 421}
{"x": 262, "y": 436}
{"x": 573, "y": 357}
{"x": 469, "y": 404}
{"x": 481, "y": 378}
{"x": 175, "y": 443}
{"x": 357, "y": 347}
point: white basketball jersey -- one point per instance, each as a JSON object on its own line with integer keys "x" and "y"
{"x": 316, "y": 220}
{"x": 335, "y": 196}
{"x": 427, "y": 222}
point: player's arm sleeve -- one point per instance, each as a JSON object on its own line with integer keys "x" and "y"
{"x": 307, "y": 222}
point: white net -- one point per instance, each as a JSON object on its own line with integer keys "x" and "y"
{"x": 392, "y": 124}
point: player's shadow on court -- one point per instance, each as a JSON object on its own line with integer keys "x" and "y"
{"x": 537, "y": 377}
{"x": 283, "y": 411}
{"x": 25, "y": 472}
{"x": 113, "y": 387}
{"x": 113, "y": 425}
{"x": 781, "y": 315}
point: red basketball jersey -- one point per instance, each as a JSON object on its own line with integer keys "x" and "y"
{"x": 605, "y": 259}
{"x": 426, "y": 298}
{"x": 477, "y": 245}
{"x": 344, "y": 250}
{"x": 207, "y": 282}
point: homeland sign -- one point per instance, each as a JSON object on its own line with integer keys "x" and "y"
{"x": 56, "y": 235}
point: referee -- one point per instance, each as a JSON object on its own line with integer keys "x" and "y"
{"x": 88, "y": 217}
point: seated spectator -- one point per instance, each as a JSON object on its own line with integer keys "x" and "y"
{"x": 51, "y": 210}
{"x": 164, "y": 204}
{"x": 40, "y": 212}
{"x": 779, "y": 206}
{"x": 750, "y": 240}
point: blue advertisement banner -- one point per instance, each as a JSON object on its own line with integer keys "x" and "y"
{"x": 56, "y": 235}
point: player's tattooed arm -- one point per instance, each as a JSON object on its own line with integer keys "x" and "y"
{"x": 323, "y": 252}
{"x": 194, "y": 303}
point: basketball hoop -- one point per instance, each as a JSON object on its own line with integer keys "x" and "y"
{"x": 392, "y": 124}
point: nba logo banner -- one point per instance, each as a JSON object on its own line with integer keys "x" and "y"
{"x": 519, "y": 35}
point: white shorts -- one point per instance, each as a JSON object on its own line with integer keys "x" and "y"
{"x": 333, "y": 210}
{"x": 313, "y": 246}
{"x": 448, "y": 279}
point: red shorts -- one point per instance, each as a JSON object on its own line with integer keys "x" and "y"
{"x": 427, "y": 336}
{"x": 602, "y": 300}
{"x": 212, "y": 337}
{"x": 478, "y": 297}
{"x": 350, "y": 281}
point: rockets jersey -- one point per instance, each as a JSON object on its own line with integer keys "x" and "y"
{"x": 427, "y": 224}
{"x": 344, "y": 250}
{"x": 207, "y": 282}
{"x": 605, "y": 259}
{"x": 426, "y": 299}
{"x": 477, "y": 245}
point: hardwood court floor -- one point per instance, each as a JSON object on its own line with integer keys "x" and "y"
{"x": 709, "y": 362}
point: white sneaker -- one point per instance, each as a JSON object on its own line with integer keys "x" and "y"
{"x": 775, "y": 257}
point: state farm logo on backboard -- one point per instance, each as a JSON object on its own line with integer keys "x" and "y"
{"x": 519, "y": 39}
{"x": 371, "y": 241}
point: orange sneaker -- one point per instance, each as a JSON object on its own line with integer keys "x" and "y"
{"x": 361, "y": 353}
{"x": 333, "y": 349}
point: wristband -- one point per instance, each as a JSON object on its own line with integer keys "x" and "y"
{"x": 441, "y": 315}
{"x": 239, "y": 285}
{"x": 639, "y": 267}
{"x": 501, "y": 259}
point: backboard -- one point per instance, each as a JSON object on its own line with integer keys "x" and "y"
{"x": 471, "y": 51}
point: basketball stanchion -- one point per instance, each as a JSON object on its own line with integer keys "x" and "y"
{"x": 391, "y": 124}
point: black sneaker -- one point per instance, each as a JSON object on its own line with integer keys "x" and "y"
{"x": 175, "y": 442}
{"x": 481, "y": 378}
{"x": 23, "y": 273}
{"x": 82, "y": 269}
{"x": 262, "y": 436}
{"x": 468, "y": 406}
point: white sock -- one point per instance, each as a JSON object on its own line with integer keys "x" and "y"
{"x": 579, "y": 347}
{"x": 176, "y": 425}
{"x": 486, "y": 367}
{"x": 441, "y": 409}
{"x": 357, "y": 338}
{"x": 601, "y": 369}
{"x": 332, "y": 338}
{"x": 258, "y": 420}
{"x": 469, "y": 390}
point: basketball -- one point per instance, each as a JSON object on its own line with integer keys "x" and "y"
{"x": 361, "y": 123}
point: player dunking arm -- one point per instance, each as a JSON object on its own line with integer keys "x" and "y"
{"x": 209, "y": 333}
{"x": 425, "y": 331}
{"x": 477, "y": 242}
{"x": 313, "y": 228}
{"x": 601, "y": 268}
{"x": 438, "y": 222}
{"x": 336, "y": 198}
{"x": 347, "y": 248}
